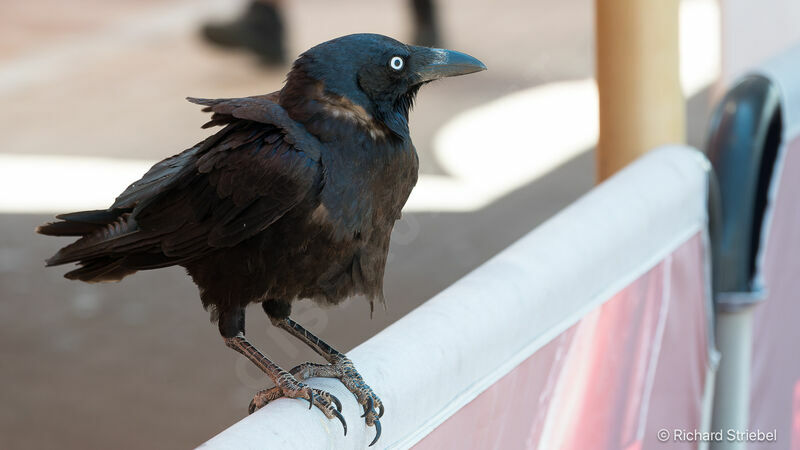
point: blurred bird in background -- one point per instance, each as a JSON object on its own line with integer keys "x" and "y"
{"x": 295, "y": 197}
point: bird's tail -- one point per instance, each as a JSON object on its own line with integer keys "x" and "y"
{"x": 94, "y": 228}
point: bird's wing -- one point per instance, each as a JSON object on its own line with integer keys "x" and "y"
{"x": 239, "y": 187}
{"x": 216, "y": 194}
{"x": 264, "y": 109}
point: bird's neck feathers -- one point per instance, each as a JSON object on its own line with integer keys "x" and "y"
{"x": 330, "y": 115}
{"x": 395, "y": 113}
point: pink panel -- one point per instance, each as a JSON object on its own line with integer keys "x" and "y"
{"x": 629, "y": 368}
{"x": 796, "y": 418}
{"x": 776, "y": 358}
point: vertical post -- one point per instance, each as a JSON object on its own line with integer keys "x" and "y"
{"x": 734, "y": 337}
{"x": 638, "y": 79}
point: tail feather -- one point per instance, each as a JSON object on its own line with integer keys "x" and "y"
{"x": 97, "y": 216}
{"x": 100, "y": 270}
{"x": 97, "y": 262}
{"x": 78, "y": 223}
{"x": 98, "y": 237}
{"x": 66, "y": 228}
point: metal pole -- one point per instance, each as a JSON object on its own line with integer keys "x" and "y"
{"x": 641, "y": 103}
{"x": 734, "y": 336}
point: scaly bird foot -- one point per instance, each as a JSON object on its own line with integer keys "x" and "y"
{"x": 291, "y": 388}
{"x": 344, "y": 370}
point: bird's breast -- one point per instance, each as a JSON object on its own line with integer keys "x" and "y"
{"x": 366, "y": 186}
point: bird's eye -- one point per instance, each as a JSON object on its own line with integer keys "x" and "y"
{"x": 396, "y": 63}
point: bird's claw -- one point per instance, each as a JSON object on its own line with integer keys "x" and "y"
{"x": 341, "y": 419}
{"x": 310, "y": 399}
{"x": 326, "y": 402}
{"x": 377, "y": 432}
{"x": 330, "y": 406}
{"x": 252, "y": 407}
{"x": 372, "y": 416}
{"x": 343, "y": 369}
{"x": 336, "y": 402}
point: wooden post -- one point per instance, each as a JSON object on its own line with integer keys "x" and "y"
{"x": 641, "y": 103}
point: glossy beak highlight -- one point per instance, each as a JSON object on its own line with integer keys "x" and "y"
{"x": 440, "y": 63}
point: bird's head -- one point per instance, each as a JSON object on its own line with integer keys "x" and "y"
{"x": 372, "y": 77}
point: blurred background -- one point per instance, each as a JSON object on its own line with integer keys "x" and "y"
{"x": 92, "y": 94}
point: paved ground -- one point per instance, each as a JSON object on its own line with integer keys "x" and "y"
{"x": 136, "y": 364}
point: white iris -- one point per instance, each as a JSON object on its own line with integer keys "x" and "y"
{"x": 396, "y": 63}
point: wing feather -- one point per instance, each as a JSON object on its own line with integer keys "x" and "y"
{"x": 216, "y": 194}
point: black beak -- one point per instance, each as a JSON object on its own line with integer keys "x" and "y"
{"x": 435, "y": 63}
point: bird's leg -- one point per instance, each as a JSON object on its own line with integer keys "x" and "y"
{"x": 286, "y": 385}
{"x": 340, "y": 367}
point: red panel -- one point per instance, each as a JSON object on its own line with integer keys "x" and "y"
{"x": 633, "y": 366}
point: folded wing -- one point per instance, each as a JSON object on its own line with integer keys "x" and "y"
{"x": 216, "y": 194}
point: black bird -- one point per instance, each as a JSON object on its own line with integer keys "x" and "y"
{"x": 295, "y": 197}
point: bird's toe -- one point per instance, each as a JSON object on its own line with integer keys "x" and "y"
{"x": 330, "y": 406}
